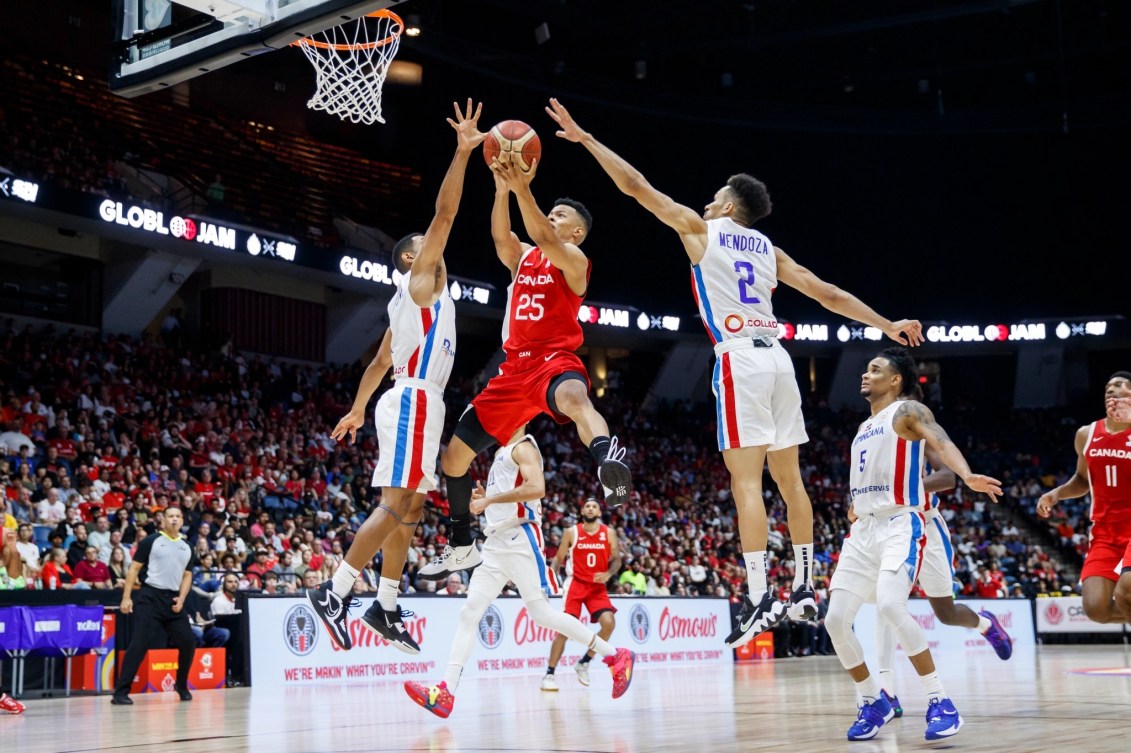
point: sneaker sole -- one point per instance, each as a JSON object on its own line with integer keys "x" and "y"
{"x": 615, "y": 474}
{"x": 329, "y": 628}
{"x": 550, "y": 690}
{"x": 397, "y": 644}
{"x": 806, "y": 609}
{"x": 437, "y": 710}
{"x": 945, "y": 735}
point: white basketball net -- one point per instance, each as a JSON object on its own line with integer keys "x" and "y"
{"x": 350, "y": 63}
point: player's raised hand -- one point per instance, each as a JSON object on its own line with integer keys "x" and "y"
{"x": 348, "y": 425}
{"x": 1119, "y": 409}
{"x": 906, "y": 332}
{"x": 466, "y": 124}
{"x": 515, "y": 178}
{"x": 570, "y": 130}
{"x": 478, "y": 498}
{"x": 984, "y": 484}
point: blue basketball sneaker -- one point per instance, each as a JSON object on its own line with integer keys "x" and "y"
{"x": 997, "y": 636}
{"x": 872, "y": 716}
{"x": 942, "y": 719}
{"x": 896, "y": 707}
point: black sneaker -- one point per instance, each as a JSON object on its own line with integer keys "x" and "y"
{"x": 615, "y": 476}
{"x": 334, "y": 611}
{"x": 389, "y": 624}
{"x": 753, "y": 620}
{"x": 802, "y": 604}
{"x": 184, "y": 694}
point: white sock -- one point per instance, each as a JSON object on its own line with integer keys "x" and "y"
{"x": 756, "y": 567}
{"x": 344, "y": 578}
{"x": 451, "y": 677}
{"x": 868, "y": 688}
{"x": 933, "y": 685}
{"x": 387, "y": 592}
{"x": 601, "y": 647}
{"x": 984, "y": 625}
{"x": 884, "y": 677}
{"x": 803, "y": 565}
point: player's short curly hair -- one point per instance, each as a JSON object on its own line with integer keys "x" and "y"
{"x": 399, "y": 248}
{"x": 904, "y": 365}
{"x": 751, "y": 196}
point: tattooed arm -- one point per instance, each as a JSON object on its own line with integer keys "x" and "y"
{"x": 915, "y": 421}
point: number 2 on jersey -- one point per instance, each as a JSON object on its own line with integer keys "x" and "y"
{"x": 745, "y": 271}
{"x": 529, "y": 307}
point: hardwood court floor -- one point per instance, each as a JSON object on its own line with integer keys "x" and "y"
{"x": 1038, "y": 701}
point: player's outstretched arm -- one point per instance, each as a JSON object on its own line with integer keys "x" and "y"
{"x": 684, "y": 220}
{"x": 914, "y": 421}
{"x": 431, "y": 276}
{"x": 800, "y": 278}
{"x": 507, "y": 245}
{"x": 1077, "y": 486}
{"x": 941, "y": 478}
{"x": 567, "y": 257}
{"x": 370, "y": 381}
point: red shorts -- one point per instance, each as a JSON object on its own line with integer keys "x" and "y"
{"x": 518, "y": 392}
{"x": 593, "y": 596}
{"x": 1110, "y": 545}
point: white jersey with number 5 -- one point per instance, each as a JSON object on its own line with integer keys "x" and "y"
{"x": 734, "y": 281}
{"x": 503, "y": 477}
{"x": 424, "y": 337}
{"x": 886, "y": 473}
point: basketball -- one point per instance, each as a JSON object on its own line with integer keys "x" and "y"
{"x": 513, "y": 142}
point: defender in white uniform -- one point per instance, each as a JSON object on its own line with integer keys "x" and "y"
{"x": 881, "y": 556}
{"x": 512, "y": 505}
{"x": 419, "y": 346}
{"x": 734, "y": 271}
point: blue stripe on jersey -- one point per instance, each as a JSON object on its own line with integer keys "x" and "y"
{"x": 529, "y": 512}
{"x": 429, "y": 339}
{"x": 947, "y": 547}
{"x": 716, "y": 382}
{"x": 915, "y": 474}
{"x": 538, "y": 558}
{"x": 916, "y": 534}
{"x": 402, "y": 436}
{"x": 716, "y": 336}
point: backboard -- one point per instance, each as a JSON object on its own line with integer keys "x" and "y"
{"x": 159, "y": 43}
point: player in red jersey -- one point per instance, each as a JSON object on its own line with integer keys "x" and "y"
{"x": 1103, "y": 468}
{"x": 541, "y": 373}
{"x": 596, "y": 559}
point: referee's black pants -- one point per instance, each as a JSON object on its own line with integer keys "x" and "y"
{"x": 154, "y": 621}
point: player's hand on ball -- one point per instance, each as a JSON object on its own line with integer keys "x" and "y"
{"x": 466, "y": 124}
{"x": 513, "y": 177}
{"x": 348, "y": 425}
{"x": 570, "y": 130}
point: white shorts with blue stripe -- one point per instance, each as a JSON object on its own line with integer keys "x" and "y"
{"x": 875, "y": 544}
{"x": 409, "y": 419}
{"x": 936, "y": 577}
{"x": 514, "y": 554}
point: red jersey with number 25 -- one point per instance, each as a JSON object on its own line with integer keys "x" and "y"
{"x": 1108, "y": 457}
{"x": 590, "y": 552}
{"x": 541, "y": 309}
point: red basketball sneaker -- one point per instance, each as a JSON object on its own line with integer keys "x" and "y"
{"x": 435, "y": 698}
{"x": 11, "y": 705}
{"x": 620, "y": 664}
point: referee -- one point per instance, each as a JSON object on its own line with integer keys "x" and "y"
{"x": 163, "y": 565}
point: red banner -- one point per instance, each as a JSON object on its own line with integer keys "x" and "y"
{"x": 158, "y": 673}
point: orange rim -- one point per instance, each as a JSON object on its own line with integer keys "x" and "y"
{"x": 396, "y": 28}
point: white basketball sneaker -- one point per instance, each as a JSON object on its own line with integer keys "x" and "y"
{"x": 582, "y": 670}
{"x": 549, "y": 682}
{"x": 451, "y": 560}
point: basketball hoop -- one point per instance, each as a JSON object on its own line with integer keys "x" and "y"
{"x": 351, "y": 62}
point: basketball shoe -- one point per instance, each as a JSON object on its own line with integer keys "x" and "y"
{"x": 334, "y": 613}
{"x": 10, "y": 705}
{"x": 451, "y": 560}
{"x": 435, "y": 698}
{"x": 997, "y": 636}
{"x": 895, "y": 705}
{"x": 802, "y": 604}
{"x": 549, "y": 683}
{"x": 872, "y": 716}
{"x": 754, "y": 619}
{"x": 582, "y": 670}
{"x": 943, "y": 719}
{"x": 389, "y": 624}
{"x": 616, "y": 480}
{"x": 620, "y": 664}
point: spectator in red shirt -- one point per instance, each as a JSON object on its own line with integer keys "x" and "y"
{"x": 987, "y": 587}
{"x": 92, "y": 572}
{"x": 257, "y": 568}
{"x": 56, "y": 573}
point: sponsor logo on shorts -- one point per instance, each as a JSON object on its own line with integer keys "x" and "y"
{"x": 300, "y": 630}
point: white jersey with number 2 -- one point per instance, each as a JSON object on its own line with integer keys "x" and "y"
{"x": 734, "y": 281}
